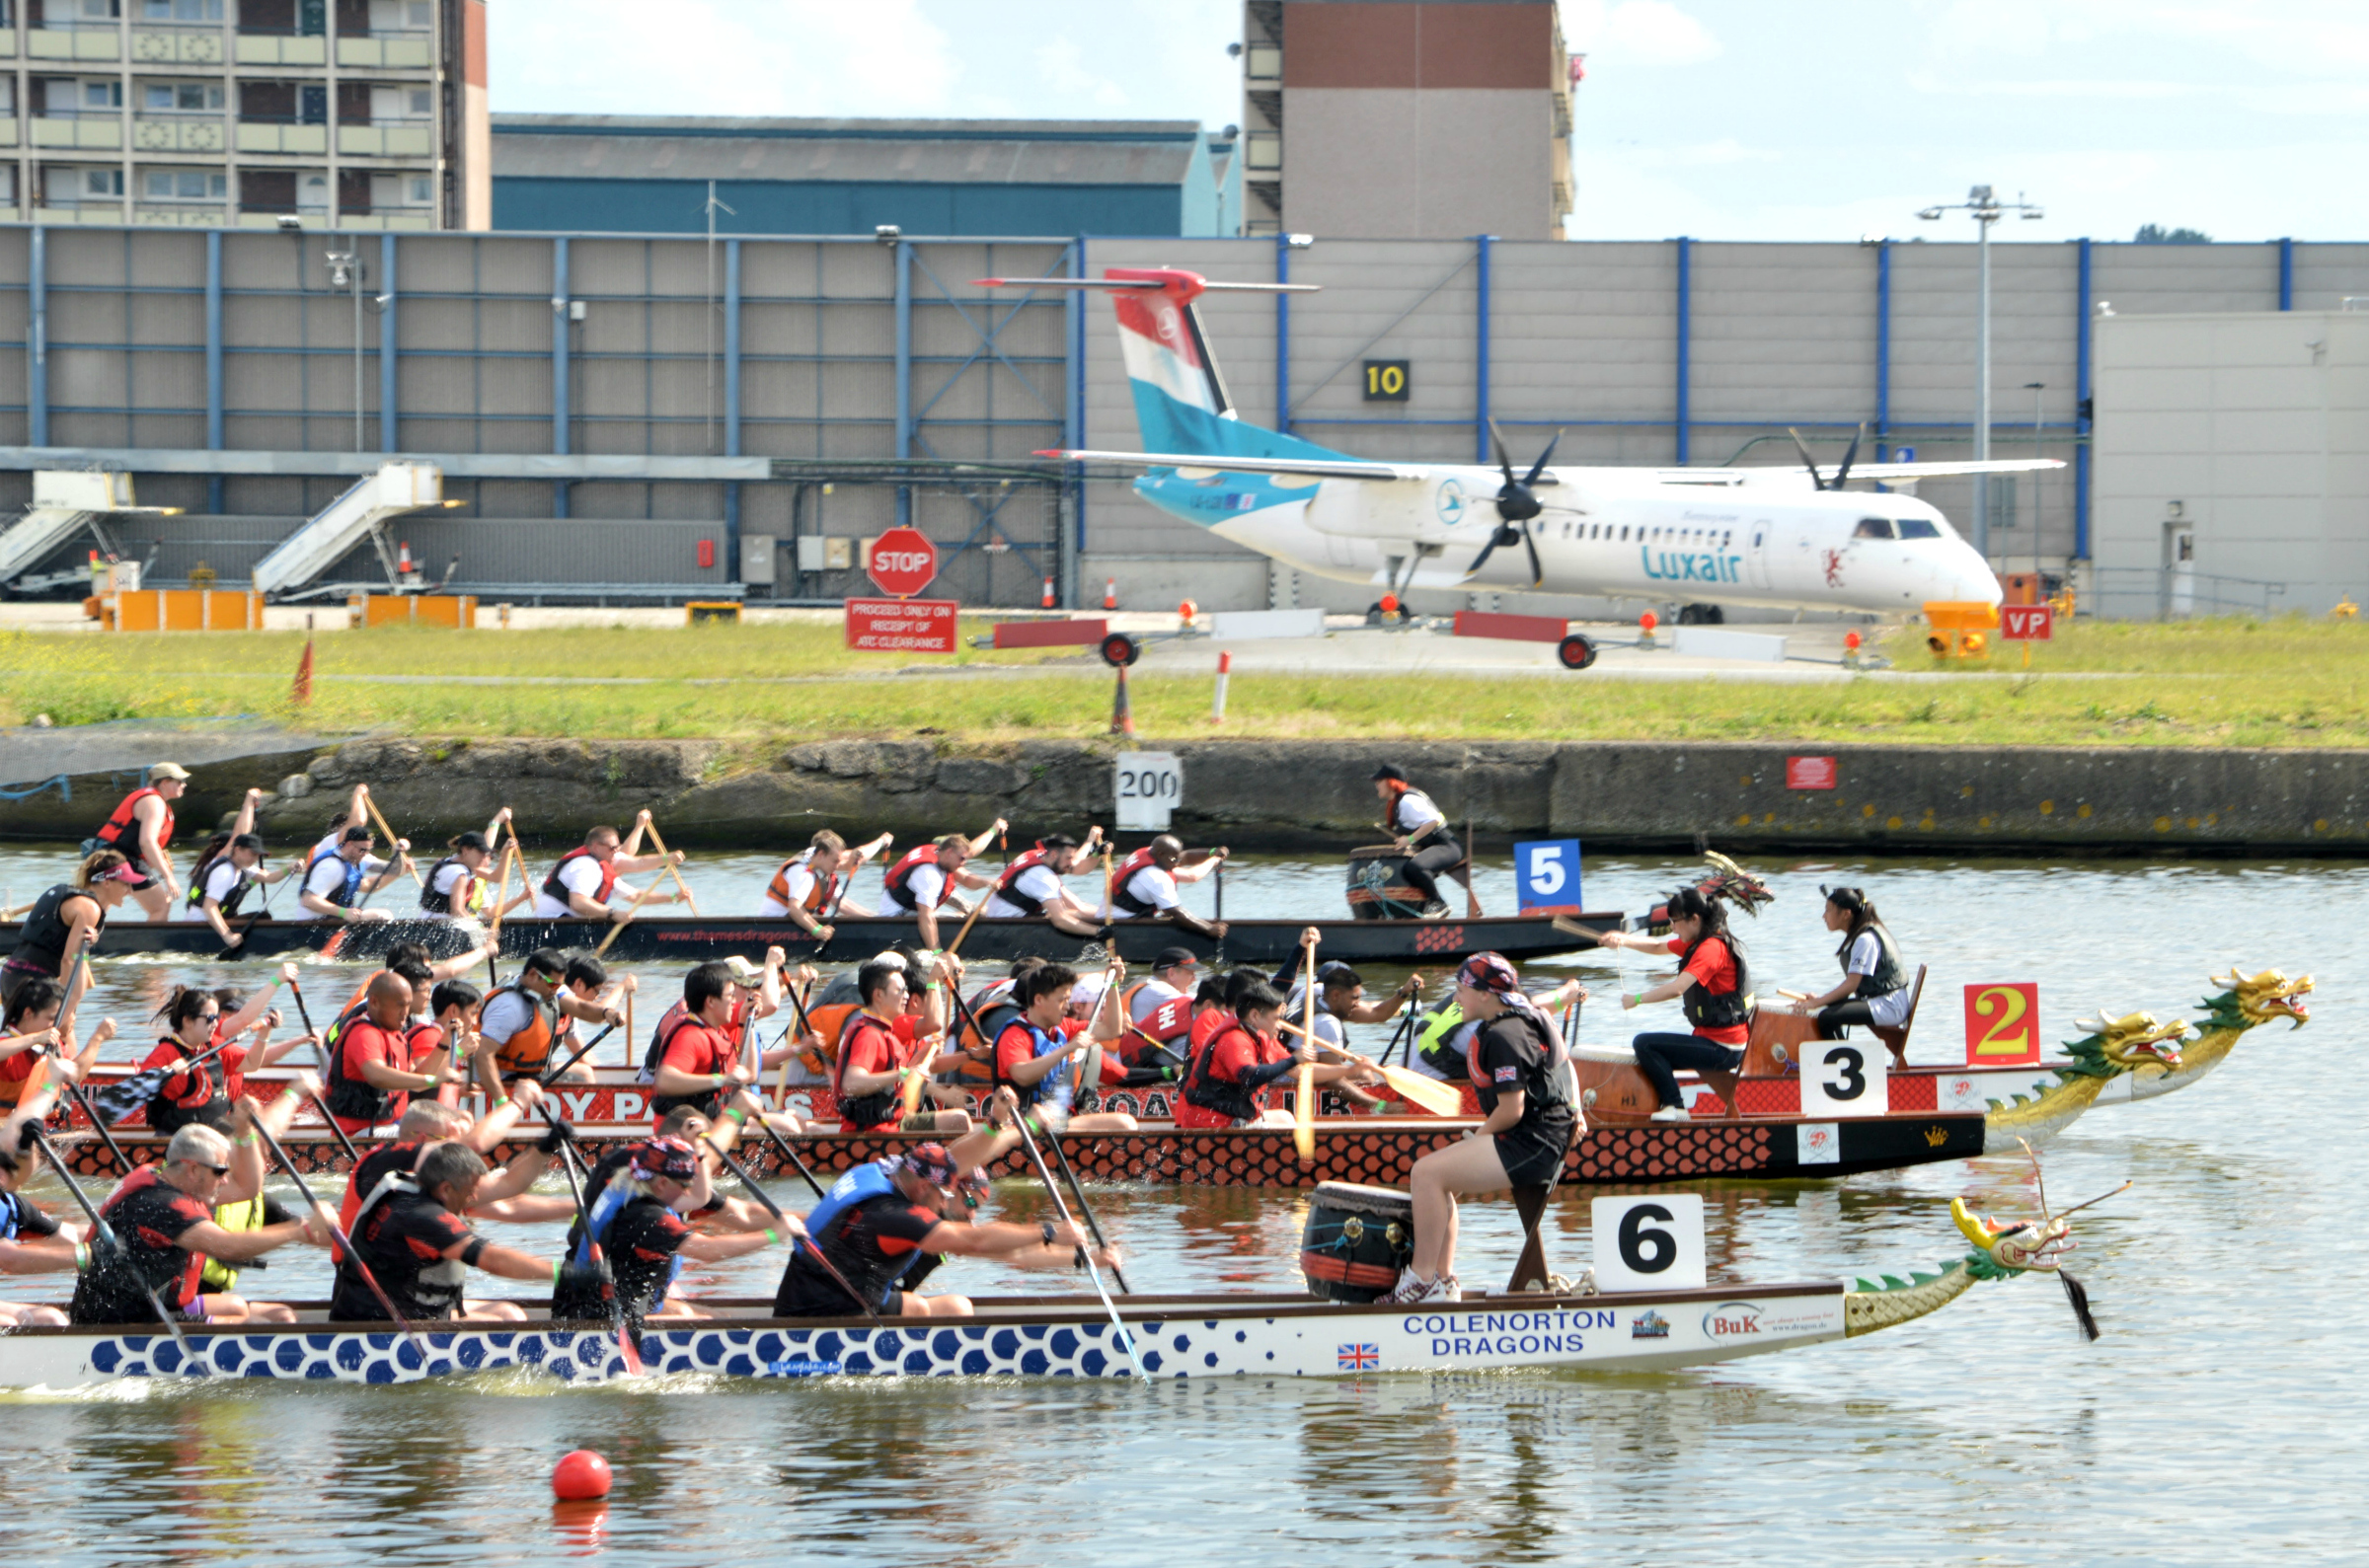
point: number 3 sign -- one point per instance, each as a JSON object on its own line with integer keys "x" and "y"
{"x": 2003, "y": 1024}
{"x": 1844, "y": 1077}
{"x": 1648, "y": 1242}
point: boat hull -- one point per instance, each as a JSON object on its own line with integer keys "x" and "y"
{"x": 1174, "y": 1337}
{"x": 690, "y": 940}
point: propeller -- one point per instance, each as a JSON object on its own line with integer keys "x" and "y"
{"x": 1850, "y": 455}
{"x": 1516, "y": 505}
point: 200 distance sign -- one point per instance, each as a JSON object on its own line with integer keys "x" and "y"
{"x": 901, "y": 625}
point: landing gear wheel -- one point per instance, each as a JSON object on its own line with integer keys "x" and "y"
{"x": 1120, "y": 648}
{"x": 1576, "y": 651}
{"x": 1702, "y": 615}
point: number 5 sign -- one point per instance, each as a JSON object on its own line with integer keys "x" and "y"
{"x": 2003, "y": 1024}
{"x": 1547, "y": 872}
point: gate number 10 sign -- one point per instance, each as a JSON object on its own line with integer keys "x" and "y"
{"x": 2003, "y": 1024}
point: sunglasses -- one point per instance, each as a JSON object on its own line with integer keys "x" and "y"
{"x": 220, "y": 1170}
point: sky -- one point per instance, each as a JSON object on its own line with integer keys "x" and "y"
{"x": 1724, "y": 120}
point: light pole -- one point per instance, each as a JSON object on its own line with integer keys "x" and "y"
{"x": 2036, "y": 388}
{"x": 345, "y": 273}
{"x": 1986, "y": 209}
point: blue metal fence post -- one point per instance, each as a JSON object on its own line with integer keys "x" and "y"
{"x": 1883, "y": 342}
{"x": 731, "y": 404}
{"x": 213, "y": 363}
{"x": 2286, "y": 274}
{"x": 389, "y": 422}
{"x": 1482, "y": 334}
{"x": 2081, "y": 410}
{"x": 1283, "y": 335}
{"x": 559, "y": 368}
{"x": 904, "y": 374}
{"x": 37, "y": 374}
{"x": 1073, "y": 421}
{"x": 1683, "y": 415}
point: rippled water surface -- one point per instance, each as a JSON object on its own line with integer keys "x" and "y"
{"x": 2218, "y": 1420}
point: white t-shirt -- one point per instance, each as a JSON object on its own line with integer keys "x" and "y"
{"x": 1155, "y": 887}
{"x": 328, "y": 846}
{"x": 221, "y": 879}
{"x": 798, "y": 879}
{"x": 579, "y": 876}
{"x": 1414, "y": 812}
{"x": 328, "y": 877}
{"x": 1149, "y": 999}
{"x": 453, "y": 882}
{"x": 1327, "y": 1027}
{"x": 1039, "y": 882}
{"x": 1867, "y": 952}
{"x": 503, "y": 1016}
{"x": 923, "y": 886}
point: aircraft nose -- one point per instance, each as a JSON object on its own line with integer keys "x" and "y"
{"x": 1968, "y": 578}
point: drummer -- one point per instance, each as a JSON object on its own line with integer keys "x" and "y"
{"x": 1419, "y": 830}
{"x": 1521, "y": 1075}
{"x": 1874, "y": 985}
{"x": 1713, "y": 986}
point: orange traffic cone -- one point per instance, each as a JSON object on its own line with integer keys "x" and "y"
{"x": 1048, "y": 593}
{"x": 1123, "y": 713}
{"x": 303, "y": 692}
{"x": 1109, "y": 593}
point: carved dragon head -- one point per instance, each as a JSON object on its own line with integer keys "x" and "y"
{"x": 2033, "y": 1245}
{"x": 2114, "y": 1046}
{"x": 1733, "y": 884}
{"x": 2252, "y": 1000}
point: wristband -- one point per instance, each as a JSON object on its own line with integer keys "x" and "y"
{"x": 1047, "y": 1227}
{"x": 718, "y": 1077}
{"x": 554, "y": 1276}
{"x": 1636, "y": 999}
{"x": 82, "y": 1258}
{"x": 773, "y": 1238}
{"x": 243, "y": 1140}
{"x": 497, "y": 1102}
{"x": 737, "y": 1116}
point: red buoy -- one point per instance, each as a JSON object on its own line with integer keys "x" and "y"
{"x": 580, "y": 1477}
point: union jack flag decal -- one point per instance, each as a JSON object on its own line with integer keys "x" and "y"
{"x": 1359, "y": 1358}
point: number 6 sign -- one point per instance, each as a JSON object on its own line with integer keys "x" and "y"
{"x": 1648, "y": 1242}
{"x": 1547, "y": 873}
{"x": 2003, "y": 1024}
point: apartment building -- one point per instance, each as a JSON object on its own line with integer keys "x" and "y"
{"x": 1406, "y": 118}
{"x": 227, "y": 114}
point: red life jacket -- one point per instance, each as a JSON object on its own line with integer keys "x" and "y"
{"x": 199, "y": 1080}
{"x": 185, "y": 1290}
{"x": 902, "y": 871}
{"x": 1007, "y": 886}
{"x": 1120, "y": 897}
{"x": 1223, "y": 1095}
{"x": 352, "y": 1097}
{"x": 818, "y": 894}
{"x": 556, "y": 891}
{"x": 1168, "y": 1022}
{"x": 122, "y": 831}
{"x": 860, "y": 1111}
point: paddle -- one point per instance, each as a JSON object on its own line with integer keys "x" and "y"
{"x": 1472, "y": 900}
{"x": 812, "y": 1251}
{"x": 608, "y": 1288}
{"x": 126, "y": 1096}
{"x": 501, "y": 900}
{"x": 1303, "y": 1109}
{"x": 672, "y": 869}
{"x": 632, "y": 909}
{"x": 370, "y": 804}
{"x": 1094, "y": 1225}
{"x": 305, "y": 1015}
{"x": 1440, "y": 1099}
{"x": 551, "y": 1074}
{"x": 969, "y": 921}
{"x": 1126, "y": 1341}
{"x": 783, "y": 1144}
{"x": 344, "y": 1240}
{"x": 107, "y": 1232}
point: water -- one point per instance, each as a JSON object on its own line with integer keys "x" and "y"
{"x": 2219, "y": 1416}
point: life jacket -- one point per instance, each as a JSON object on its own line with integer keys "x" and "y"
{"x": 245, "y": 1215}
{"x": 122, "y": 831}
{"x": 556, "y": 891}
{"x": 1203, "y": 1087}
{"x": 202, "y": 1090}
{"x": 1545, "y": 1087}
{"x": 902, "y": 871}
{"x": 605, "y": 1209}
{"x": 1397, "y": 822}
{"x": 527, "y": 1051}
{"x": 345, "y": 896}
{"x": 1889, "y": 974}
{"x": 12, "y": 1216}
{"x": 181, "y": 1290}
{"x": 1007, "y": 886}
{"x": 865, "y": 1111}
{"x": 428, "y": 1289}
{"x": 353, "y": 1098}
{"x": 670, "y": 1024}
{"x": 195, "y": 897}
{"x": 436, "y": 903}
{"x": 1170, "y": 1021}
{"x": 1727, "y": 1009}
{"x": 992, "y": 1006}
{"x": 1056, "y": 1087}
{"x": 818, "y": 891}
{"x": 41, "y": 939}
{"x": 1436, "y": 1041}
{"x": 1122, "y": 895}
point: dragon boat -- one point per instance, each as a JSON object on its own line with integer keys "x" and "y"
{"x": 1176, "y": 1336}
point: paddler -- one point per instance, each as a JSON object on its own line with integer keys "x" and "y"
{"x": 1159, "y": 1012}
{"x": 882, "y": 1221}
{"x": 1228, "y": 1081}
{"x": 67, "y": 918}
{"x": 337, "y": 882}
{"x": 1045, "y": 1053}
{"x": 1030, "y": 886}
{"x": 698, "y": 1055}
{"x": 808, "y": 888}
{"x": 229, "y": 869}
{"x": 384, "y": 1058}
{"x": 507, "y": 1195}
{"x": 519, "y": 1026}
{"x": 354, "y": 814}
{"x": 209, "y": 1092}
{"x": 1530, "y": 1116}
{"x": 37, "y": 1027}
{"x": 639, "y": 1225}
{"x": 410, "y": 1232}
{"x": 32, "y": 1240}
{"x": 1874, "y": 985}
{"x": 925, "y": 879}
{"x": 140, "y": 829}
{"x": 1419, "y": 829}
{"x": 1713, "y": 986}
{"x": 1144, "y": 886}
{"x": 584, "y": 883}
{"x": 455, "y": 888}
{"x": 162, "y": 1217}
{"x": 883, "y": 1043}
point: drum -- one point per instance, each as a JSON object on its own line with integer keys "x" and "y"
{"x": 1357, "y": 1240}
{"x": 1378, "y": 888}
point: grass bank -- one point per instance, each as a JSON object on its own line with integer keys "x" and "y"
{"x": 2234, "y": 681}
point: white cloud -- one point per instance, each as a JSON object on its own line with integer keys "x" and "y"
{"x": 1643, "y": 31}
{"x": 1059, "y": 63}
{"x": 1727, "y": 150}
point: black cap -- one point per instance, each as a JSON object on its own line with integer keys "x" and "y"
{"x": 1389, "y": 771}
{"x": 1333, "y": 972}
{"x": 355, "y": 835}
{"x": 1169, "y": 957}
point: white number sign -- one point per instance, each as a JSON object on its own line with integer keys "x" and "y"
{"x": 1150, "y": 786}
{"x": 1844, "y": 1077}
{"x": 1648, "y": 1242}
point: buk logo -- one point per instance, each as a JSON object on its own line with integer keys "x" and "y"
{"x": 1733, "y": 1321}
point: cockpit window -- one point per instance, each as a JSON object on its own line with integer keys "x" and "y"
{"x": 1872, "y": 528}
{"x": 1918, "y": 528}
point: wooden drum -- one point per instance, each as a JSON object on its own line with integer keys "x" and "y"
{"x": 1357, "y": 1240}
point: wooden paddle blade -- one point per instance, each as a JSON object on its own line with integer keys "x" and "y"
{"x": 1427, "y": 1094}
{"x": 1571, "y": 927}
{"x": 1303, "y": 1127}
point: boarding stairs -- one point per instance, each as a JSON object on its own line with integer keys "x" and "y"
{"x": 361, "y": 512}
{"x": 67, "y": 501}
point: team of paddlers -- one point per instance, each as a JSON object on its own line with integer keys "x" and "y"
{"x": 906, "y": 1041}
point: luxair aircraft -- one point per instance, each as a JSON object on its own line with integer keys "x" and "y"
{"x": 1778, "y": 537}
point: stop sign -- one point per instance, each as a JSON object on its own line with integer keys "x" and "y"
{"x": 903, "y": 560}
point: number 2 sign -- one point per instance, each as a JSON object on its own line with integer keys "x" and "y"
{"x": 2003, "y": 1024}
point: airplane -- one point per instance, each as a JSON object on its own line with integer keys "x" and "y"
{"x": 1778, "y": 536}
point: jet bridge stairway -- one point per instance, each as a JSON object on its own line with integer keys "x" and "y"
{"x": 361, "y": 512}
{"x": 65, "y": 502}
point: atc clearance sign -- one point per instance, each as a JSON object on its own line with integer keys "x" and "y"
{"x": 901, "y": 625}
{"x": 2028, "y": 622}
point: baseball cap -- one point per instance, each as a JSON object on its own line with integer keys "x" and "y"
{"x": 666, "y": 1156}
{"x": 1087, "y": 990}
{"x": 1489, "y": 972}
{"x": 1333, "y": 972}
{"x": 167, "y": 769}
{"x": 120, "y": 874}
{"x": 931, "y": 1162}
{"x": 1169, "y": 957}
{"x": 743, "y": 971}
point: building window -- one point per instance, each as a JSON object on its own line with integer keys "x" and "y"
{"x": 392, "y": 104}
{"x": 1263, "y": 63}
{"x": 402, "y": 190}
{"x": 183, "y": 185}
{"x": 180, "y": 10}
{"x": 1263, "y": 149}
{"x": 82, "y": 14}
{"x": 66, "y": 188}
{"x": 182, "y": 98}
{"x": 312, "y": 192}
{"x": 403, "y": 16}
{"x": 69, "y": 98}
